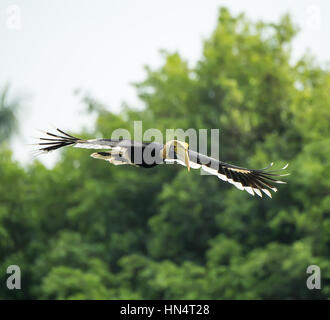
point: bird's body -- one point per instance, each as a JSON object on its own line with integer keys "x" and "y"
{"x": 150, "y": 154}
{"x": 141, "y": 154}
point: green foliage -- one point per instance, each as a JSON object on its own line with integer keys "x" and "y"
{"x": 88, "y": 230}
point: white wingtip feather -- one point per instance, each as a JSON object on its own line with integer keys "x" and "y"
{"x": 222, "y": 177}
{"x": 267, "y": 193}
{"x": 239, "y": 186}
{"x": 257, "y": 191}
{"x": 279, "y": 181}
{"x": 249, "y": 190}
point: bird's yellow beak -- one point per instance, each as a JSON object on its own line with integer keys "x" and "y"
{"x": 185, "y": 147}
{"x": 186, "y": 156}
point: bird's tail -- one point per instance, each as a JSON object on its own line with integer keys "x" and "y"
{"x": 55, "y": 141}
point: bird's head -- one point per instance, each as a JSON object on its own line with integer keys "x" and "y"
{"x": 180, "y": 149}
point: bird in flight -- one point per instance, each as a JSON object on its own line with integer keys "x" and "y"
{"x": 151, "y": 154}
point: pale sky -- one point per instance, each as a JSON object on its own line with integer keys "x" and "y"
{"x": 50, "y": 48}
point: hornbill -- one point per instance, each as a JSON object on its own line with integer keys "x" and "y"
{"x": 150, "y": 154}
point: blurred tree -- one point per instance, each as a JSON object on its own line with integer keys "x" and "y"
{"x": 8, "y": 120}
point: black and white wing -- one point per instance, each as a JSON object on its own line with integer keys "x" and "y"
{"x": 61, "y": 139}
{"x": 251, "y": 180}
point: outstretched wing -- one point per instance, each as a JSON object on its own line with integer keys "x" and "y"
{"x": 251, "y": 180}
{"x": 62, "y": 139}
